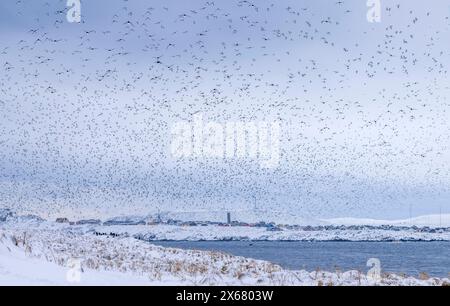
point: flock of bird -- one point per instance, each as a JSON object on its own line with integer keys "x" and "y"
{"x": 87, "y": 108}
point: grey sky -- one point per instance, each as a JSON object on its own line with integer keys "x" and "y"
{"x": 87, "y": 108}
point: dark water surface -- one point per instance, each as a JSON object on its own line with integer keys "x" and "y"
{"x": 410, "y": 258}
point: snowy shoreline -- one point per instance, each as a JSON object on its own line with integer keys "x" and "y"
{"x": 45, "y": 257}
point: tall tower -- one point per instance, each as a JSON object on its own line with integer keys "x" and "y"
{"x": 228, "y": 217}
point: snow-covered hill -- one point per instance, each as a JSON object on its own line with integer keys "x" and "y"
{"x": 421, "y": 221}
{"x": 426, "y": 229}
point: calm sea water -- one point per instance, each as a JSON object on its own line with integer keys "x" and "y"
{"x": 410, "y": 258}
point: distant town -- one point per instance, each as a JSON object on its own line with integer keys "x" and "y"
{"x": 158, "y": 220}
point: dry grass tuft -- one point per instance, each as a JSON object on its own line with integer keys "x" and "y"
{"x": 424, "y": 276}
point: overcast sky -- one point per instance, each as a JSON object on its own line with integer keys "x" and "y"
{"x": 87, "y": 108}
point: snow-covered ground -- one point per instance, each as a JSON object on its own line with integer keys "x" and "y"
{"x": 437, "y": 220}
{"x": 38, "y": 252}
{"x": 46, "y": 257}
{"x": 41, "y": 257}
